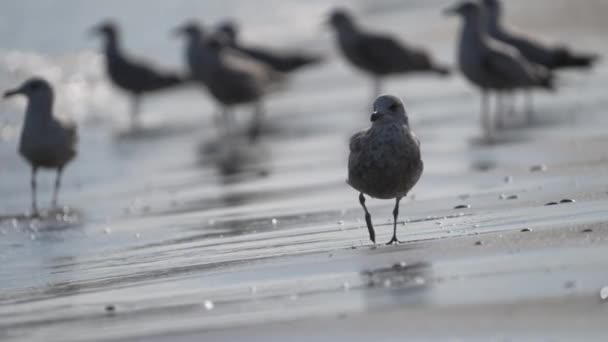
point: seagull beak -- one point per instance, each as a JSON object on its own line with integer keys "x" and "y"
{"x": 451, "y": 11}
{"x": 13, "y": 92}
{"x": 376, "y": 116}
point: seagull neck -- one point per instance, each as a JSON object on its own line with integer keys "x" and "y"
{"x": 494, "y": 25}
{"x": 472, "y": 31}
{"x": 39, "y": 109}
{"x": 112, "y": 46}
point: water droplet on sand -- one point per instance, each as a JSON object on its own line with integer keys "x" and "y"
{"x": 33, "y": 237}
{"x": 387, "y": 283}
{"x": 274, "y": 221}
{"x": 345, "y": 286}
{"x": 502, "y": 197}
{"x": 419, "y": 281}
{"x": 208, "y": 305}
{"x": 107, "y": 231}
{"x": 604, "y": 293}
{"x": 137, "y": 235}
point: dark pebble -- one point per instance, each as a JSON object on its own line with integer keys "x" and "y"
{"x": 110, "y": 308}
{"x": 462, "y": 206}
{"x": 588, "y": 230}
{"x": 513, "y": 197}
{"x": 538, "y": 168}
{"x": 478, "y": 243}
{"x": 566, "y": 200}
{"x": 551, "y": 203}
{"x": 526, "y": 230}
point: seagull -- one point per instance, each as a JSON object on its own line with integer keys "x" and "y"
{"x": 384, "y": 161}
{"x": 492, "y": 66}
{"x": 281, "y": 61}
{"x": 45, "y": 141}
{"x": 231, "y": 78}
{"x": 551, "y": 58}
{"x": 134, "y": 76}
{"x": 379, "y": 55}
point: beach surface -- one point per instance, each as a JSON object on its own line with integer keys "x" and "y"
{"x": 172, "y": 233}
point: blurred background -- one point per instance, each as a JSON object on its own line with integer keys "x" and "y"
{"x": 160, "y": 205}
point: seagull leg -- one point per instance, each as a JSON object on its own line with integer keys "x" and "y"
{"x": 256, "y": 125}
{"x": 57, "y": 185}
{"x": 529, "y": 105}
{"x": 33, "y": 184}
{"x": 368, "y": 219}
{"x": 500, "y": 109}
{"x": 135, "y": 108}
{"x": 394, "y": 240}
{"x": 484, "y": 111}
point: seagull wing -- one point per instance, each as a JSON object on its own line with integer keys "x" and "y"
{"x": 384, "y": 52}
{"x": 357, "y": 141}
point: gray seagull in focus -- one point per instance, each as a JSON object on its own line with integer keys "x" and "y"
{"x": 281, "y": 61}
{"x": 379, "y": 55}
{"x": 231, "y": 78}
{"x": 45, "y": 141}
{"x": 385, "y": 161}
{"x": 493, "y": 66}
{"x": 134, "y": 76}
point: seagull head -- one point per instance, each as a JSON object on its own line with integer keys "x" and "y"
{"x": 191, "y": 29}
{"x": 389, "y": 108}
{"x": 465, "y": 9}
{"x": 340, "y": 19}
{"x": 34, "y": 89}
{"x": 107, "y": 29}
{"x": 229, "y": 31}
{"x": 492, "y": 7}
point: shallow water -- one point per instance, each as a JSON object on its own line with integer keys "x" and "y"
{"x": 160, "y": 221}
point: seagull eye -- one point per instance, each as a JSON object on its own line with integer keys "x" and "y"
{"x": 393, "y": 107}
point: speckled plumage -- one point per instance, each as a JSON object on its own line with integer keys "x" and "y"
{"x": 385, "y": 160}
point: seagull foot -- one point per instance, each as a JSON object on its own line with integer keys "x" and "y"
{"x": 394, "y": 241}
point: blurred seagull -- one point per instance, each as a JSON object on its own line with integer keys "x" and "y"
{"x": 377, "y": 54}
{"x": 282, "y": 61}
{"x": 45, "y": 141}
{"x": 231, "y": 78}
{"x": 552, "y": 58}
{"x": 493, "y": 66}
{"x": 549, "y": 57}
{"x": 132, "y": 75}
{"x": 385, "y": 160}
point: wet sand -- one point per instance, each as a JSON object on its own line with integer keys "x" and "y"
{"x": 172, "y": 235}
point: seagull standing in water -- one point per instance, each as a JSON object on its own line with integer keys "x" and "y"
{"x": 45, "y": 141}
{"x": 231, "y": 78}
{"x": 281, "y": 61}
{"x": 490, "y": 66}
{"x": 379, "y": 55}
{"x": 552, "y": 58}
{"x": 385, "y": 160}
{"x": 131, "y": 75}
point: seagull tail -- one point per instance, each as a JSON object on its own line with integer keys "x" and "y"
{"x": 566, "y": 59}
